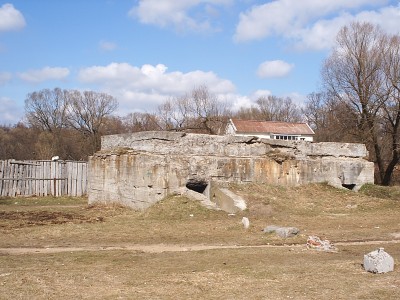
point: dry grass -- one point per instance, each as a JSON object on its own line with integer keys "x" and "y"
{"x": 282, "y": 272}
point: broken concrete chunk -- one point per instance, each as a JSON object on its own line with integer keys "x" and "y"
{"x": 314, "y": 242}
{"x": 245, "y": 222}
{"x": 226, "y": 200}
{"x": 286, "y": 232}
{"x": 378, "y": 261}
{"x": 270, "y": 228}
{"x": 283, "y": 232}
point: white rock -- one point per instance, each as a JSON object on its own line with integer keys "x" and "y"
{"x": 378, "y": 261}
{"x": 246, "y": 222}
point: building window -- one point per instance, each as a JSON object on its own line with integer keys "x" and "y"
{"x": 287, "y": 137}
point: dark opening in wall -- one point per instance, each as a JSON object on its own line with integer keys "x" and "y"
{"x": 349, "y": 186}
{"x": 196, "y": 185}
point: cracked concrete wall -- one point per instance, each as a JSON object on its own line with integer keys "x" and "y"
{"x": 140, "y": 169}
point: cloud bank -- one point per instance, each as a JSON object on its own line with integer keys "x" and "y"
{"x": 312, "y": 24}
{"x": 145, "y": 87}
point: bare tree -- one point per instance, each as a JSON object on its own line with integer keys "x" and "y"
{"x": 361, "y": 74}
{"x": 209, "y": 113}
{"x": 248, "y": 113}
{"x": 391, "y": 115}
{"x": 331, "y": 120}
{"x": 272, "y": 108}
{"x": 174, "y": 114}
{"x": 88, "y": 111}
{"x": 138, "y": 121}
{"x": 197, "y": 111}
{"x": 47, "y": 109}
{"x": 56, "y": 111}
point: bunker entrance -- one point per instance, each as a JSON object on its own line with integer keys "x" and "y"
{"x": 196, "y": 185}
{"x": 349, "y": 186}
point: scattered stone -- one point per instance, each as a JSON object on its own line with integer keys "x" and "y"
{"x": 286, "y": 232}
{"x": 349, "y": 206}
{"x": 283, "y": 232}
{"x": 378, "y": 261}
{"x": 246, "y": 222}
{"x": 315, "y": 243}
{"x": 270, "y": 228}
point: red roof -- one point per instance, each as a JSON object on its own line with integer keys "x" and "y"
{"x": 250, "y": 126}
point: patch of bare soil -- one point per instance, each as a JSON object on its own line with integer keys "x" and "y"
{"x": 20, "y": 219}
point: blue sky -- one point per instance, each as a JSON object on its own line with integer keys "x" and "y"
{"x": 143, "y": 52}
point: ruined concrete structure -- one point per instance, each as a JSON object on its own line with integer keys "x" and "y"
{"x": 140, "y": 169}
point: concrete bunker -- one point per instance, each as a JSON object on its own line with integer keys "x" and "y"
{"x": 155, "y": 164}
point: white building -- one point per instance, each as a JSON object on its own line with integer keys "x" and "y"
{"x": 270, "y": 130}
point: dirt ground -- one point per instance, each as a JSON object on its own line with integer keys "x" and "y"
{"x": 61, "y": 248}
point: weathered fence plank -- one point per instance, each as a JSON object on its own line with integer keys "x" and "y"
{"x": 2, "y": 183}
{"x": 42, "y": 178}
{"x": 1, "y": 176}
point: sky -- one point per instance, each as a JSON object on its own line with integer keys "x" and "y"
{"x": 144, "y": 52}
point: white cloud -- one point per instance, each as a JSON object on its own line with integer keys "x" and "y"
{"x": 312, "y": 24}
{"x": 297, "y": 98}
{"x": 164, "y": 13}
{"x": 260, "y": 93}
{"x": 5, "y": 77}
{"x": 47, "y": 73}
{"x": 388, "y": 18}
{"x": 10, "y": 112}
{"x": 274, "y": 69}
{"x": 237, "y": 101}
{"x": 141, "y": 88}
{"x": 10, "y": 18}
{"x": 107, "y": 46}
{"x": 323, "y": 32}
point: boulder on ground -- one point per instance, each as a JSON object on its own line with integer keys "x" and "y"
{"x": 378, "y": 261}
{"x": 283, "y": 232}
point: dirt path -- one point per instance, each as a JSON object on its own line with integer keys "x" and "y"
{"x": 159, "y": 248}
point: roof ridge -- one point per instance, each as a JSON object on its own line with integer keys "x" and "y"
{"x": 275, "y": 127}
{"x": 233, "y": 119}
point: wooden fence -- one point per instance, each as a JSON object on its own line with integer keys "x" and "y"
{"x": 43, "y": 178}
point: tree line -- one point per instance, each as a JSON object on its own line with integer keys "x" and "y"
{"x": 359, "y": 102}
{"x": 70, "y": 123}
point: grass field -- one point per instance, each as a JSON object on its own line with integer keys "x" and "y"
{"x": 61, "y": 248}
